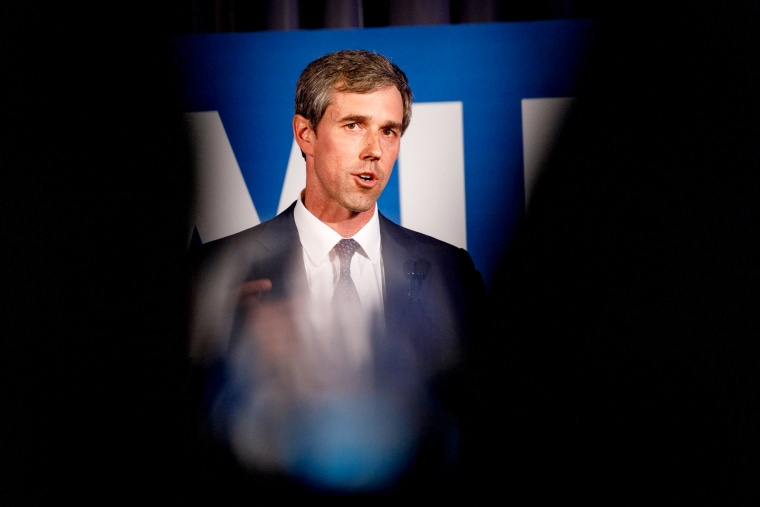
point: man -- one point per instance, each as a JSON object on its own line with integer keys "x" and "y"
{"x": 385, "y": 370}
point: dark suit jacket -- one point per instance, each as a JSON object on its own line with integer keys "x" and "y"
{"x": 433, "y": 292}
{"x": 434, "y": 298}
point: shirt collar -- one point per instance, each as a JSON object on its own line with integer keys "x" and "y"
{"x": 318, "y": 239}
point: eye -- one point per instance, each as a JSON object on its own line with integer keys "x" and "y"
{"x": 389, "y": 132}
{"x": 352, "y": 126}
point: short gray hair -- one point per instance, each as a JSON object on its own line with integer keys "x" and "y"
{"x": 350, "y": 70}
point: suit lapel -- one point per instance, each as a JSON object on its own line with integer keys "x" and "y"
{"x": 283, "y": 262}
{"x": 397, "y": 249}
{"x": 416, "y": 320}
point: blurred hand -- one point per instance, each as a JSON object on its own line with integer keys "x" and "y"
{"x": 252, "y": 290}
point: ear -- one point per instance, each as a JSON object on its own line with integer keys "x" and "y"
{"x": 303, "y": 134}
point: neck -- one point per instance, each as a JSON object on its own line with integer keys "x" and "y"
{"x": 342, "y": 220}
{"x": 347, "y": 228}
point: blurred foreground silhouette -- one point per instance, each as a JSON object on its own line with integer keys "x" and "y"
{"x": 635, "y": 372}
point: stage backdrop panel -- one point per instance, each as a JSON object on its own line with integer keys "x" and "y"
{"x": 488, "y": 99}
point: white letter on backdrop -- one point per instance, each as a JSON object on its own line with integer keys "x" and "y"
{"x": 431, "y": 173}
{"x": 295, "y": 178}
{"x": 541, "y": 122}
{"x": 223, "y": 205}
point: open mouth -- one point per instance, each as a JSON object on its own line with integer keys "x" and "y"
{"x": 365, "y": 177}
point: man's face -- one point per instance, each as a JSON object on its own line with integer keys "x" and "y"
{"x": 355, "y": 146}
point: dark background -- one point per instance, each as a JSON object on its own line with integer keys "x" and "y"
{"x": 624, "y": 353}
{"x": 205, "y": 16}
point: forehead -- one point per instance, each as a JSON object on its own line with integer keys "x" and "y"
{"x": 385, "y": 103}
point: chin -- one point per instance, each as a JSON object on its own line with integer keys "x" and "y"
{"x": 361, "y": 207}
{"x": 355, "y": 209}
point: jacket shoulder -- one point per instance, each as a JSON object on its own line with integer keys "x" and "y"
{"x": 410, "y": 238}
{"x": 269, "y": 235}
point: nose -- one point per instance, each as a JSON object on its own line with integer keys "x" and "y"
{"x": 372, "y": 149}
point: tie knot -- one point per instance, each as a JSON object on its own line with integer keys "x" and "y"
{"x": 346, "y": 249}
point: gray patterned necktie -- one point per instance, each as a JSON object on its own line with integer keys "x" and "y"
{"x": 346, "y": 297}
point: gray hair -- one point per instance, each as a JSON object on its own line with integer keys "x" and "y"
{"x": 354, "y": 71}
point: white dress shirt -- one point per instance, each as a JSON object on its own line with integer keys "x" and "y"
{"x": 322, "y": 273}
{"x": 323, "y": 265}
